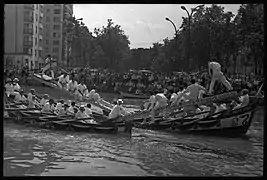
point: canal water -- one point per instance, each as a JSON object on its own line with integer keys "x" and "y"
{"x": 30, "y": 151}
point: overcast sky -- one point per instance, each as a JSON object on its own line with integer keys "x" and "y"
{"x": 143, "y": 23}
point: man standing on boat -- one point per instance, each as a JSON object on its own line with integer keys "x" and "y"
{"x": 63, "y": 80}
{"x": 217, "y": 75}
{"x": 49, "y": 63}
{"x": 160, "y": 101}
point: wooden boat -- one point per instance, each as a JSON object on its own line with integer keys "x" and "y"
{"x": 227, "y": 123}
{"x": 51, "y": 121}
{"x": 133, "y": 96}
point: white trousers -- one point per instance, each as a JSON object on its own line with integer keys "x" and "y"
{"x": 218, "y": 76}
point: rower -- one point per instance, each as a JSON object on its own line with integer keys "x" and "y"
{"x": 72, "y": 106}
{"x": 9, "y": 87}
{"x": 19, "y": 97}
{"x": 32, "y": 103}
{"x": 173, "y": 98}
{"x": 88, "y": 110}
{"x": 81, "y": 88}
{"x": 44, "y": 100}
{"x": 117, "y": 110}
{"x": 72, "y": 86}
{"x": 64, "y": 111}
{"x": 59, "y": 105}
{"x": 217, "y": 75}
{"x": 49, "y": 107}
{"x": 151, "y": 101}
{"x": 30, "y": 95}
{"x": 63, "y": 80}
{"x": 16, "y": 84}
{"x": 243, "y": 99}
{"x": 160, "y": 101}
{"x": 81, "y": 113}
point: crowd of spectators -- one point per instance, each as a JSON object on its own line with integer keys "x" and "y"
{"x": 145, "y": 81}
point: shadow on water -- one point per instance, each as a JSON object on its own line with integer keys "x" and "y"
{"x": 39, "y": 152}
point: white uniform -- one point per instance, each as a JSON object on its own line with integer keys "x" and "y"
{"x": 174, "y": 97}
{"x": 63, "y": 81}
{"x": 48, "y": 108}
{"x": 72, "y": 86}
{"x": 244, "y": 102}
{"x": 59, "y": 106}
{"x": 16, "y": 86}
{"x": 117, "y": 111}
{"x": 81, "y": 114}
{"x": 9, "y": 89}
{"x": 88, "y": 111}
{"x": 43, "y": 101}
{"x": 193, "y": 91}
{"x": 217, "y": 75}
{"x": 71, "y": 109}
{"x": 19, "y": 97}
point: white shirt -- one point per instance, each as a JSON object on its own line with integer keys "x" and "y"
{"x": 16, "y": 86}
{"x": 43, "y": 101}
{"x": 160, "y": 99}
{"x": 48, "y": 108}
{"x": 72, "y": 85}
{"x": 88, "y": 111}
{"x": 59, "y": 106}
{"x": 116, "y": 111}
{"x": 9, "y": 89}
{"x": 193, "y": 91}
{"x": 216, "y": 67}
{"x": 19, "y": 97}
{"x": 63, "y": 80}
{"x": 244, "y": 100}
{"x": 29, "y": 97}
{"x": 81, "y": 114}
{"x": 71, "y": 109}
{"x": 174, "y": 97}
{"x": 96, "y": 97}
{"x": 91, "y": 94}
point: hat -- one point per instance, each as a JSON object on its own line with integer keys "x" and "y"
{"x": 16, "y": 80}
{"x": 82, "y": 107}
{"x": 120, "y": 101}
{"x": 46, "y": 96}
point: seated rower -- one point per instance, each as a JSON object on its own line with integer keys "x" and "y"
{"x": 117, "y": 110}
{"x": 30, "y": 94}
{"x": 44, "y": 100}
{"x": 72, "y": 106}
{"x": 9, "y": 87}
{"x": 64, "y": 111}
{"x": 82, "y": 90}
{"x": 19, "y": 97}
{"x": 244, "y": 99}
{"x": 59, "y": 105}
{"x": 63, "y": 81}
{"x": 173, "y": 98}
{"x": 219, "y": 108}
{"x": 49, "y": 107}
{"x": 81, "y": 113}
{"x": 16, "y": 85}
{"x": 32, "y": 103}
{"x": 88, "y": 110}
{"x": 72, "y": 86}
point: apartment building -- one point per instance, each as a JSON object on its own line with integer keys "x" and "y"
{"x": 54, "y": 41}
{"x": 32, "y": 31}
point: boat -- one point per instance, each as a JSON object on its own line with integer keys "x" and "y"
{"x": 52, "y": 121}
{"x": 133, "y": 96}
{"x": 226, "y": 123}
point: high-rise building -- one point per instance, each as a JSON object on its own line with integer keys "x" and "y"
{"x": 54, "y": 18}
{"x": 32, "y": 31}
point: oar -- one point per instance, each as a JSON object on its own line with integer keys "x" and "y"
{"x": 71, "y": 120}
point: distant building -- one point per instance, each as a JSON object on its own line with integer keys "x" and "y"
{"x": 32, "y": 31}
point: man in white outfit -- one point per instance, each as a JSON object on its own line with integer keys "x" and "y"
{"x": 49, "y": 63}
{"x": 216, "y": 74}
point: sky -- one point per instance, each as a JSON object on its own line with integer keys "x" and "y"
{"x": 144, "y": 24}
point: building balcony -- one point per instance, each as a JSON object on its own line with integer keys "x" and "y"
{"x": 29, "y": 6}
{"x": 28, "y": 19}
{"x": 41, "y": 25}
{"x": 27, "y": 31}
{"x": 28, "y": 43}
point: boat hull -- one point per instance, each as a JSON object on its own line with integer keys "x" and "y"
{"x": 133, "y": 96}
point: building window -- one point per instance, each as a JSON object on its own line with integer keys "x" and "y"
{"x": 40, "y": 53}
{"x": 46, "y": 49}
{"x": 36, "y": 31}
{"x": 47, "y": 41}
{"x": 35, "y": 52}
{"x": 56, "y": 19}
{"x": 48, "y": 19}
{"x": 56, "y": 27}
{"x": 26, "y": 50}
{"x": 56, "y": 35}
{"x": 55, "y": 50}
{"x": 56, "y": 11}
{"x": 56, "y": 42}
{"x": 36, "y": 17}
{"x": 48, "y": 10}
{"x": 35, "y": 41}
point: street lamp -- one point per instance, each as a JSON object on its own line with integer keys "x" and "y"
{"x": 189, "y": 28}
{"x": 167, "y": 19}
